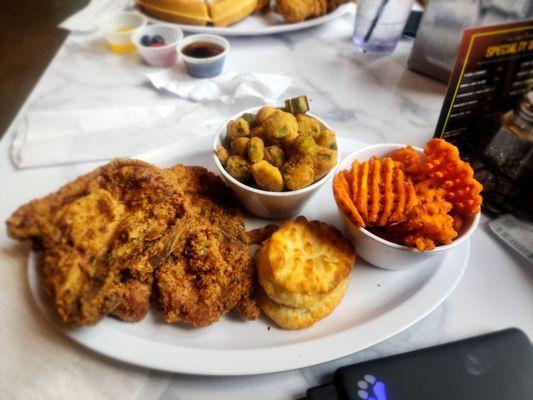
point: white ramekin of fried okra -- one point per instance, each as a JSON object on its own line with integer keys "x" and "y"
{"x": 276, "y": 158}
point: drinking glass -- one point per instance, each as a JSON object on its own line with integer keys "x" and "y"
{"x": 379, "y": 24}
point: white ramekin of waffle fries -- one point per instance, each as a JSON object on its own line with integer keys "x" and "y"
{"x": 376, "y": 243}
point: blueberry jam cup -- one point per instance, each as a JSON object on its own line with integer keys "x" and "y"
{"x": 164, "y": 55}
{"x": 206, "y": 67}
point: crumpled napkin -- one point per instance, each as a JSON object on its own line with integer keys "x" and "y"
{"x": 226, "y": 88}
{"x": 52, "y": 137}
{"x": 87, "y": 19}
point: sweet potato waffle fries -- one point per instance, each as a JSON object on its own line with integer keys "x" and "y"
{"x": 418, "y": 201}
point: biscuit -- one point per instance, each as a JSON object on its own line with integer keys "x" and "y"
{"x": 290, "y": 299}
{"x": 299, "y": 318}
{"x": 303, "y": 261}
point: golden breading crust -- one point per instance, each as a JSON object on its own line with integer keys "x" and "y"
{"x": 208, "y": 270}
{"x": 259, "y": 235}
{"x": 299, "y": 10}
{"x": 99, "y": 234}
{"x": 297, "y": 317}
{"x": 303, "y": 261}
{"x": 263, "y": 6}
{"x": 334, "y": 4}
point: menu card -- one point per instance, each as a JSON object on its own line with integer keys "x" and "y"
{"x": 487, "y": 113}
{"x": 494, "y": 69}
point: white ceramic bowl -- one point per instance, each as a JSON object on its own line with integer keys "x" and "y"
{"x": 270, "y": 205}
{"x": 381, "y": 252}
{"x": 163, "y": 56}
{"x": 118, "y": 40}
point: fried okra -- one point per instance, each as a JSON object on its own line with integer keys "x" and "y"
{"x": 308, "y": 125}
{"x": 222, "y": 154}
{"x": 240, "y": 146}
{"x": 263, "y": 114}
{"x": 250, "y": 118}
{"x": 256, "y": 149}
{"x": 326, "y": 138}
{"x": 275, "y": 156}
{"x": 258, "y": 131}
{"x": 323, "y": 161}
{"x": 237, "y": 128}
{"x": 281, "y": 148}
{"x": 267, "y": 176}
{"x": 281, "y": 128}
{"x": 239, "y": 168}
{"x": 303, "y": 145}
{"x": 298, "y": 172}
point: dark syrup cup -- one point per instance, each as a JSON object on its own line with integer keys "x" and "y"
{"x": 204, "y": 67}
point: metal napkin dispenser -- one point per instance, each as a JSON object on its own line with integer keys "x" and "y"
{"x": 441, "y": 29}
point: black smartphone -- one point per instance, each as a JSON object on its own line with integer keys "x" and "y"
{"x": 496, "y": 366}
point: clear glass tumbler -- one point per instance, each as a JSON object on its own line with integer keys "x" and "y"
{"x": 379, "y": 24}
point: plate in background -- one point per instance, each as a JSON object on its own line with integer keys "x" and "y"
{"x": 258, "y": 24}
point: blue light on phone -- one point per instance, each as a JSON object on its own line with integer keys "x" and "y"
{"x": 370, "y": 388}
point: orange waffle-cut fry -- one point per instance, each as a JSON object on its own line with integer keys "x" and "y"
{"x": 361, "y": 201}
{"x": 379, "y": 192}
{"x": 399, "y": 188}
{"x": 444, "y": 166}
{"x": 354, "y": 179}
{"x": 412, "y": 199}
{"x": 388, "y": 198}
{"x": 409, "y": 158}
{"x": 341, "y": 191}
{"x": 419, "y": 241}
{"x": 429, "y": 224}
{"x": 458, "y": 222}
{"x": 374, "y": 185}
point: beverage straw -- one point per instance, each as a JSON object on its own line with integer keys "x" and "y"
{"x": 375, "y": 20}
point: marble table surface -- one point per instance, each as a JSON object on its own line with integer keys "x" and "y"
{"x": 366, "y": 98}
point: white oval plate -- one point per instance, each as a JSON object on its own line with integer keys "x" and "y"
{"x": 258, "y": 24}
{"x": 378, "y": 304}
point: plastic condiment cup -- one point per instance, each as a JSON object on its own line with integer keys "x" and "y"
{"x": 118, "y": 29}
{"x": 162, "y": 56}
{"x": 204, "y": 67}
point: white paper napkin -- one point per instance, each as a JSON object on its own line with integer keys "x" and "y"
{"x": 226, "y": 88}
{"x": 52, "y": 137}
{"x": 87, "y": 19}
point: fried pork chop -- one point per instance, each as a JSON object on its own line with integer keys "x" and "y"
{"x": 111, "y": 235}
{"x": 100, "y": 235}
{"x": 207, "y": 270}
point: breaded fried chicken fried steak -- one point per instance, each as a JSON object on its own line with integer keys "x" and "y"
{"x": 207, "y": 271}
{"x": 99, "y": 235}
{"x": 107, "y": 236}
